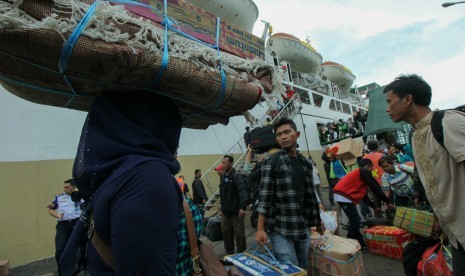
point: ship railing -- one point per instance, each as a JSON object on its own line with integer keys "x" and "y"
{"x": 292, "y": 107}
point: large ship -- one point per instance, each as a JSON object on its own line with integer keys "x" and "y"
{"x": 38, "y": 143}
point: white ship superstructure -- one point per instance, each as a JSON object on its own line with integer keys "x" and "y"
{"x": 38, "y": 143}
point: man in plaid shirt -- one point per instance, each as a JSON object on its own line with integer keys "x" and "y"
{"x": 288, "y": 205}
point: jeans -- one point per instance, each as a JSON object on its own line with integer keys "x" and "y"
{"x": 63, "y": 232}
{"x": 233, "y": 226}
{"x": 332, "y": 183}
{"x": 365, "y": 210}
{"x": 458, "y": 260}
{"x": 354, "y": 222}
{"x": 289, "y": 251}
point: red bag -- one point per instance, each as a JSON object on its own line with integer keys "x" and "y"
{"x": 433, "y": 262}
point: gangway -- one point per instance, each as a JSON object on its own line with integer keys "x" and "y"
{"x": 239, "y": 151}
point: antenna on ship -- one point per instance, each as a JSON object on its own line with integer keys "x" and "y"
{"x": 268, "y": 30}
{"x": 448, "y": 4}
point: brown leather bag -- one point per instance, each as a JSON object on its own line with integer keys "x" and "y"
{"x": 204, "y": 260}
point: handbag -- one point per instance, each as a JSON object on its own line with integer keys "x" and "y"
{"x": 203, "y": 259}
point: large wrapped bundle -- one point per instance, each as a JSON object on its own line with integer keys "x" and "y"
{"x": 64, "y": 53}
{"x": 334, "y": 255}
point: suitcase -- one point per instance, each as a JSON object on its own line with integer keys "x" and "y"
{"x": 213, "y": 231}
{"x": 263, "y": 139}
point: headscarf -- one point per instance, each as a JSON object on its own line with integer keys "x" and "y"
{"x": 122, "y": 131}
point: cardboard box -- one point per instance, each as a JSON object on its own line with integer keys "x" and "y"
{"x": 388, "y": 241}
{"x": 202, "y": 25}
{"x": 341, "y": 256}
{"x": 415, "y": 221}
{"x": 258, "y": 263}
{"x": 350, "y": 149}
{"x": 4, "y": 267}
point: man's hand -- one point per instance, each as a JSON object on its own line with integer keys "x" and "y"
{"x": 241, "y": 212}
{"x": 378, "y": 212}
{"x": 261, "y": 237}
{"x": 391, "y": 206}
{"x": 437, "y": 231}
{"x": 320, "y": 229}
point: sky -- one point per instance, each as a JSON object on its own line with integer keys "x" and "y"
{"x": 380, "y": 39}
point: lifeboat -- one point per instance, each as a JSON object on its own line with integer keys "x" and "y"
{"x": 338, "y": 74}
{"x": 242, "y": 13}
{"x": 302, "y": 56}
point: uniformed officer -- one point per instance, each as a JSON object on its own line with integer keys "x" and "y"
{"x": 67, "y": 212}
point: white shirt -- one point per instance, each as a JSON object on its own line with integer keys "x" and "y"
{"x": 64, "y": 205}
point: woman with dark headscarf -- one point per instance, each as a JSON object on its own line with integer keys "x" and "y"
{"x": 125, "y": 164}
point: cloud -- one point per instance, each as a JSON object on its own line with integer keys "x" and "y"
{"x": 378, "y": 40}
{"x": 425, "y": 43}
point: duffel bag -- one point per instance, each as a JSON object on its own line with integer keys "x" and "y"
{"x": 213, "y": 231}
{"x": 263, "y": 139}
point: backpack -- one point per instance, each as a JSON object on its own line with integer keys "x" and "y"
{"x": 436, "y": 124}
{"x": 254, "y": 177}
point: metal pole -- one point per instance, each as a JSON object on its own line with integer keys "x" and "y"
{"x": 305, "y": 134}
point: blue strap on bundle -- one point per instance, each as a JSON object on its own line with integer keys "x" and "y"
{"x": 169, "y": 23}
{"x": 73, "y": 39}
{"x": 69, "y": 46}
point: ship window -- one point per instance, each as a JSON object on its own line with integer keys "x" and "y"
{"x": 332, "y": 105}
{"x": 345, "y": 108}
{"x": 338, "y": 106}
{"x": 317, "y": 99}
{"x": 303, "y": 96}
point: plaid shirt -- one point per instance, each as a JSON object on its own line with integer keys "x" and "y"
{"x": 183, "y": 257}
{"x": 278, "y": 200}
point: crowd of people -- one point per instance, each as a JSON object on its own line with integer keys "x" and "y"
{"x": 125, "y": 167}
{"x": 339, "y": 129}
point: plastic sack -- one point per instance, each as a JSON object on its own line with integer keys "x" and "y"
{"x": 433, "y": 262}
{"x": 413, "y": 254}
{"x": 329, "y": 221}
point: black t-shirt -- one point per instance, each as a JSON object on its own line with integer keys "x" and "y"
{"x": 298, "y": 179}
